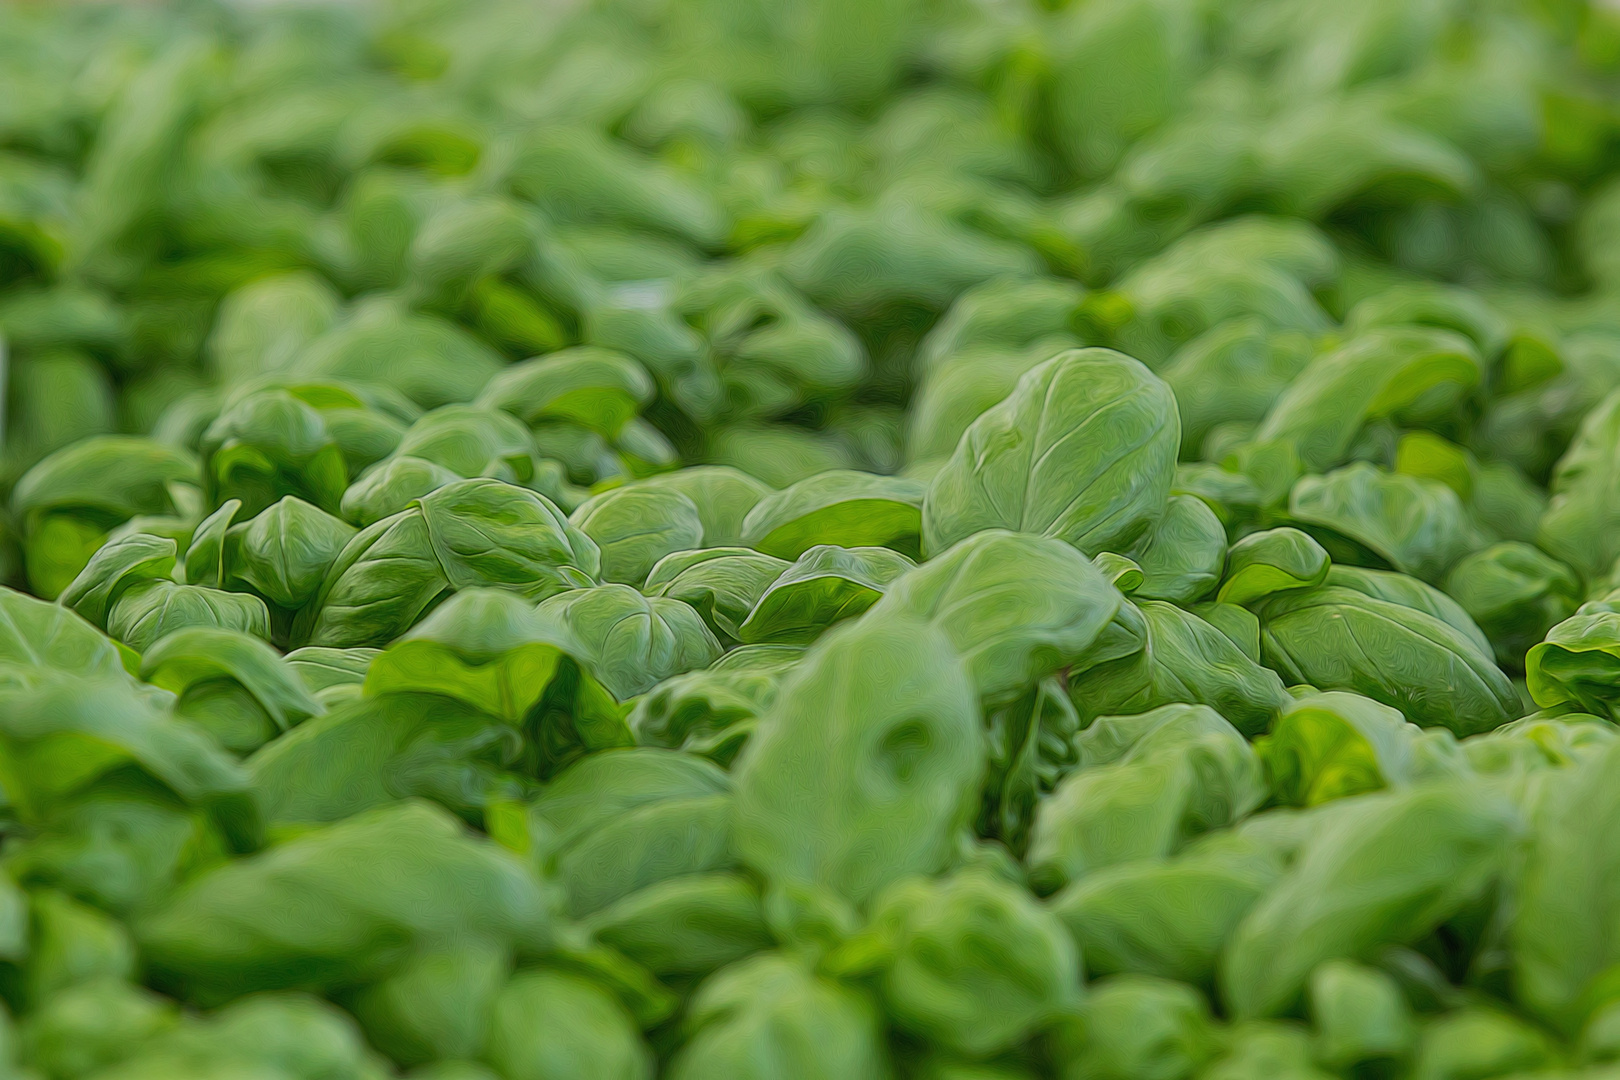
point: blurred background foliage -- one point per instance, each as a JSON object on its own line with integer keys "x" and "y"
{"x": 799, "y": 218}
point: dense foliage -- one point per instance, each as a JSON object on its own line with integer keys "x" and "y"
{"x": 840, "y": 540}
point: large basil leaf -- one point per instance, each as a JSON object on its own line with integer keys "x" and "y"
{"x": 722, "y": 583}
{"x": 826, "y": 585}
{"x": 1415, "y": 525}
{"x": 369, "y": 753}
{"x": 36, "y": 636}
{"x": 1083, "y": 449}
{"x": 1335, "y": 638}
{"x": 839, "y": 507}
{"x": 489, "y": 649}
{"x": 466, "y": 534}
{"x": 1381, "y": 869}
{"x": 1016, "y": 607}
{"x": 635, "y": 527}
{"x": 1179, "y": 658}
{"x": 285, "y": 551}
{"x": 867, "y": 763}
{"x": 1563, "y": 952}
{"x": 154, "y": 609}
{"x": 630, "y": 641}
{"x": 336, "y": 906}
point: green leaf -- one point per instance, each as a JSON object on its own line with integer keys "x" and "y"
{"x": 39, "y": 636}
{"x": 390, "y": 486}
{"x": 814, "y": 1025}
{"x": 67, "y": 503}
{"x": 1180, "y": 658}
{"x": 437, "y": 1005}
{"x": 205, "y": 557}
{"x": 268, "y": 444}
{"x": 430, "y": 361}
{"x": 1182, "y": 556}
{"x": 1409, "y": 592}
{"x": 109, "y": 478}
{"x": 467, "y": 534}
{"x": 1406, "y": 374}
{"x": 723, "y": 496}
{"x": 154, "y": 609}
{"x": 1335, "y": 638}
{"x": 1011, "y": 311}
{"x": 335, "y": 906}
{"x": 1083, "y": 450}
{"x": 1272, "y": 561}
{"x": 471, "y": 441}
{"x": 826, "y": 585}
{"x": 712, "y": 711}
{"x": 1578, "y": 663}
{"x": 597, "y": 388}
{"x": 635, "y": 527}
{"x": 62, "y": 731}
{"x": 1015, "y": 607}
{"x": 1359, "y": 1013}
{"x": 839, "y": 507}
{"x": 1417, "y": 526}
{"x": 961, "y": 386}
{"x": 1167, "y": 917}
{"x": 115, "y": 568}
{"x": 1582, "y": 518}
{"x": 331, "y": 673}
{"x": 1330, "y": 746}
{"x": 366, "y": 753}
{"x": 550, "y": 1024}
{"x": 867, "y": 763}
{"x": 1137, "y": 1025}
{"x": 1232, "y": 373}
{"x": 284, "y": 553}
{"x": 971, "y": 962}
{"x": 631, "y": 641}
{"x": 1146, "y": 784}
{"x": 722, "y": 583}
{"x": 689, "y": 925}
{"x": 1382, "y": 869}
{"x": 1482, "y": 1039}
{"x": 1563, "y": 958}
{"x": 1515, "y": 594}
{"x": 186, "y": 660}
{"x": 494, "y": 652}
